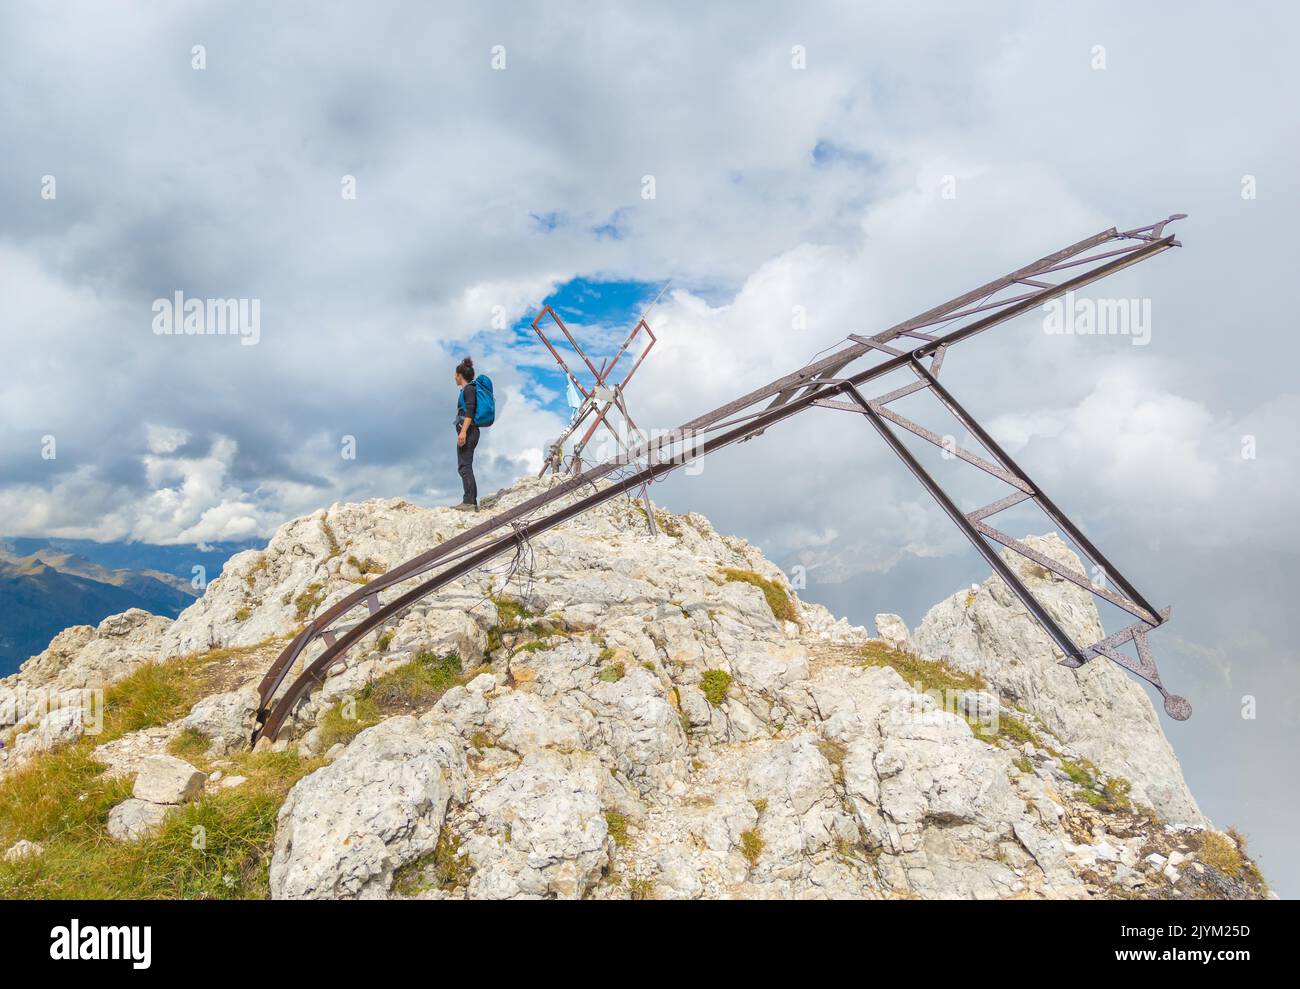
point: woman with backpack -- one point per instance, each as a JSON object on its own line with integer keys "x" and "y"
{"x": 475, "y": 407}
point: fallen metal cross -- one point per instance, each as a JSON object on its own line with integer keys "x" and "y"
{"x": 916, "y": 346}
{"x": 599, "y": 398}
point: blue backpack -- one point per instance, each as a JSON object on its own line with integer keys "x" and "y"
{"x": 485, "y": 410}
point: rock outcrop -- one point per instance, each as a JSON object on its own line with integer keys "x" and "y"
{"x": 162, "y": 783}
{"x": 1099, "y": 710}
{"x": 134, "y": 819}
{"x": 345, "y": 829}
{"x": 226, "y": 720}
{"x": 84, "y": 656}
{"x": 629, "y": 715}
{"x": 164, "y": 779}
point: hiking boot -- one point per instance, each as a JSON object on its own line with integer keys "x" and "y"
{"x": 465, "y": 506}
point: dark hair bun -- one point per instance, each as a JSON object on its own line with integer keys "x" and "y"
{"x": 466, "y": 368}
{"x": 467, "y": 361}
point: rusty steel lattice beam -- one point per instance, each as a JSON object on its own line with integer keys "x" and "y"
{"x": 599, "y": 399}
{"x": 926, "y": 337}
{"x": 981, "y": 534}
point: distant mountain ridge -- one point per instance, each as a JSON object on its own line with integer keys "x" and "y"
{"x": 48, "y": 585}
{"x": 177, "y": 561}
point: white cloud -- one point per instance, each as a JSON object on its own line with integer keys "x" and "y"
{"x": 366, "y": 303}
{"x": 165, "y": 439}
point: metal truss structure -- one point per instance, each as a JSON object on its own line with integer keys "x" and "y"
{"x": 599, "y": 399}
{"x": 916, "y": 346}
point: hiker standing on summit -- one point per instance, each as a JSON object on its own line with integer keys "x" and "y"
{"x": 475, "y": 407}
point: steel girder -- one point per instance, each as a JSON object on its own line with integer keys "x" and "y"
{"x": 816, "y": 384}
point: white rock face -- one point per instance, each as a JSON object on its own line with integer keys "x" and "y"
{"x": 22, "y": 850}
{"x": 308, "y": 563}
{"x": 346, "y": 828}
{"x": 647, "y": 727}
{"x": 226, "y": 719}
{"x": 134, "y": 819}
{"x": 543, "y": 831}
{"x": 893, "y": 630}
{"x": 61, "y": 726}
{"x": 82, "y": 656}
{"x": 1100, "y": 710}
{"x": 936, "y": 800}
{"x": 164, "y": 779}
{"x": 56, "y": 696}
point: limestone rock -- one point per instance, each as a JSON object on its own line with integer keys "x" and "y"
{"x": 345, "y": 829}
{"x": 22, "y": 850}
{"x": 1099, "y": 710}
{"x": 694, "y": 705}
{"x": 524, "y": 723}
{"x": 123, "y": 756}
{"x": 81, "y": 658}
{"x": 133, "y": 819}
{"x": 442, "y": 631}
{"x": 61, "y": 726}
{"x": 544, "y": 833}
{"x": 893, "y": 630}
{"x": 578, "y": 755}
{"x": 639, "y": 727}
{"x": 935, "y": 800}
{"x": 164, "y": 779}
{"x": 227, "y": 719}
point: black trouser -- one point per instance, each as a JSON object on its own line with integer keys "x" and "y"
{"x": 465, "y": 464}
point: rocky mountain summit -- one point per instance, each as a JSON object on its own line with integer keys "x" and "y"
{"x": 610, "y": 715}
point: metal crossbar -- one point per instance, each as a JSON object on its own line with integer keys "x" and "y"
{"x": 821, "y": 383}
{"x": 598, "y": 399}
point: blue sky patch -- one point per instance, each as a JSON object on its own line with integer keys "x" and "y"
{"x": 826, "y": 153}
{"x": 599, "y": 314}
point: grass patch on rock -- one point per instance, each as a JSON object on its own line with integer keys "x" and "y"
{"x": 259, "y": 567}
{"x": 617, "y": 825}
{"x": 346, "y": 720}
{"x": 335, "y": 548}
{"x": 1221, "y": 852}
{"x": 612, "y": 673}
{"x": 158, "y": 693}
{"x": 778, "y": 599}
{"x": 419, "y": 683}
{"x": 308, "y": 601}
{"x": 715, "y": 684}
{"x": 513, "y": 617}
{"x": 218, "y": 847}
{"x": 929, "y": 674}
{"x": 834, "y": 753}
{"x": 190, "y": 745}
{"x": 413, "y": 686}
{"x": 61, "y": 800}
{"x": 666, "y": 521}
{"x": 367, "y": 566}
{"x": 446, "y": 867}
{"x": 1229, "y": 854}
{"x": 641, "y": 889}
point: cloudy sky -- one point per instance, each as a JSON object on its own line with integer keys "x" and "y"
{"x": 858, "y": 161}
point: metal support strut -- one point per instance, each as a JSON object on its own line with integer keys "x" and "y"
{"x": 979, "y": 533}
